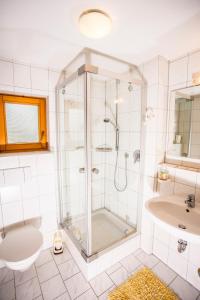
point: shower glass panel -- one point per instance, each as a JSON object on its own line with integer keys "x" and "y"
{"x": 99, "y": 130}
{"x": 71, "y": 114}
{"x": 115, "y": 134}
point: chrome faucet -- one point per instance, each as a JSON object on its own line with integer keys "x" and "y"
{"x": 190, "y": 201}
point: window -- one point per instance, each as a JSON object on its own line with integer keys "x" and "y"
{"x": 22, "y": 123}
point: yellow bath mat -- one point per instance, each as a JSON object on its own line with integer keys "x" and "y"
{"x": 144, "y": 285}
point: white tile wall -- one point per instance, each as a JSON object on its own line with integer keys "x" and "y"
{"x": 22, "y": 76}
{"x": 10, "y": 194}
{"x": 39, "y": 78}
{"x": 31, "y": 208}
{"x": 12, "y": 212}
{"x": 2, "y": 180}
{"x": 28, "y": 182}
{"x": 6, "y": 73}
{"x": 183, "y": 181}
{"x": 178, "y": 71}
{"x": 156, "y": 74}
{"x": 129, "y": 111}
{"x": 14, "y": 176}
{"x": 193, "y": 65}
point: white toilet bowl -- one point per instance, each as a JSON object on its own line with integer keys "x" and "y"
{"x": 21, "y": 247}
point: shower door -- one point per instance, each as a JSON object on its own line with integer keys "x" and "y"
{"x": 114, "y": 110}
{"x": 73, "y": 159}
{"x": 98, "y": 132}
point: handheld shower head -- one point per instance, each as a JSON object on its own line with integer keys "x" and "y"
{"x": 107, "y": 120}
{"x": 130, "y": 86}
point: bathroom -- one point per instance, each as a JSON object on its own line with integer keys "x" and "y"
{"x": 99, "y": 149}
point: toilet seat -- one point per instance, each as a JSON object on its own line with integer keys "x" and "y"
{"x": 20, "y": 244}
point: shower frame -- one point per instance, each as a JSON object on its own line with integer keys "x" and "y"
{"x": 64, "y": 79}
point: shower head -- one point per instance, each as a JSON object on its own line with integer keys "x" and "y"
{"x": 130, "y": 86}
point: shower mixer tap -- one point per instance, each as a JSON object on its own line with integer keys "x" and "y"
{"x": 94, "y": 170}
{"x": 136, "y": 156}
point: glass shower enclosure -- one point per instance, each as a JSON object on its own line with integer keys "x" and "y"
{"x": 99, "y": 100}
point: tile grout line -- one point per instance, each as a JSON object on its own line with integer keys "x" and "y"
{"x": 90, "y": 287}
{"x": 38, "y": 281}
{"x": 27, "y": 279}
{"x": 14, "y": 285}
{"x": 82, "y": 294}
{"x": 114, "y": 270}
{"x": 172, "y": 280}
{"x": 60, "y": 272}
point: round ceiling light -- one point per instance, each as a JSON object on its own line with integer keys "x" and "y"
{"x": 95, "y": 23}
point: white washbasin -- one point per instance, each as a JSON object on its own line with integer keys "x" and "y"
{"x": 172, "y": 213}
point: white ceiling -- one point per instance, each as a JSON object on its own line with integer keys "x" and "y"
{"x": 45, "y": 32}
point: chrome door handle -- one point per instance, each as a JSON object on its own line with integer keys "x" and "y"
{"x": 81, "y": 170}
{"x": 95, "y": 170}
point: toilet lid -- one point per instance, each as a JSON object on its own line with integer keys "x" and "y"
{"x": 20, "y": 243}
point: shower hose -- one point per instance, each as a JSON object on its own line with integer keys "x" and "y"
{"x": 118, "y": 188}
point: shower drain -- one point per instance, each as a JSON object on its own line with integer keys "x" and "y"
{"x": 126, "y": 231}
{"x": 181, "y": 226}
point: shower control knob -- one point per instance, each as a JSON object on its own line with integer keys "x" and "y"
{"x": 95, "y": 170}
{"x": 136, "y": 156}
{"x": 81, "y": 170}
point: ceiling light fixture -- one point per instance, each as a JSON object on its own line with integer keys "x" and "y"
{"x": 95, "y": 23}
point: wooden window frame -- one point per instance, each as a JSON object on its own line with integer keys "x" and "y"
{"x": 26, "y": 100}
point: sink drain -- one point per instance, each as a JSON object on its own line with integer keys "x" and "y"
{"x": 181, "y": 226}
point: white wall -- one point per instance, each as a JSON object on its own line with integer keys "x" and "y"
{"x": 123, "y": 204}
{"x": 29, "y": 192}
{"x": 183, "y": 181}
{"x": 156, "y": 74}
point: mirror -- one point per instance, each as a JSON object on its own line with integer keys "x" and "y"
{"x": 184, "y": 123}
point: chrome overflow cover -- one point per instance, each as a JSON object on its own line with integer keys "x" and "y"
{"x": 181, "y": 226}
{"x": 181, "y": 246}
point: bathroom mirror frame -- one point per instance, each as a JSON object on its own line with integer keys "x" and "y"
{"x": 169, "y": 157}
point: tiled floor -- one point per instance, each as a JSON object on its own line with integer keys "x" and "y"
{"x": 58, "y": 277}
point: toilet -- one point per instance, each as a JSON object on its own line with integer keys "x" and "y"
{"x": 21, "y": 247}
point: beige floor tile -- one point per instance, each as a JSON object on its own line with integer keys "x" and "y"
{"x": 130, "y": 263}
{"x": 21, "y": 277}
{"x": 7, "y": 291}
{"x": 76, "y": 285}
{"x": 101, "y": 283}
{"x": 53, "y": 288}
{"x": 164, "y": 273}
{"x": 6, "y": 275}
{"x": 183, "y": 289}
{"x": 89, "y": 295}
{"x": 28, "y": 290}
{"x": 119, "y": 276}
{"x": 63, "y": 257}
{"x": 44, "y": 257}
{"x": 47, "y": 271}
{"x": 68, "y": 269}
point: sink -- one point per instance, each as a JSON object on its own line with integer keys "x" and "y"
{"x": 174, "y": 216}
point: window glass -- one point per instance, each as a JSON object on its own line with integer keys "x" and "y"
{"x": 22, "y": 123}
